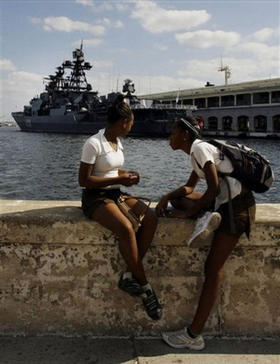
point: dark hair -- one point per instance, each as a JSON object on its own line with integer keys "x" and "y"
{"x": 191, "y": 124}
{"x": 119, "y": 110}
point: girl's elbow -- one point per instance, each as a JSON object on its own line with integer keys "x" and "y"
{"x": 82, "y": 182}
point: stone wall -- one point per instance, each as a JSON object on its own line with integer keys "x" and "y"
{"x": 59, "y": 273}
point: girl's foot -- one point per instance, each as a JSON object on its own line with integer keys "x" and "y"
{"x": 151, "y": 304}
{"x": 206, "y": 223}
{"x": 181, "y": 339}
{"x": 130, "y": 285}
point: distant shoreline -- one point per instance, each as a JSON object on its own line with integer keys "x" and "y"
{"x": 7, "y": 123}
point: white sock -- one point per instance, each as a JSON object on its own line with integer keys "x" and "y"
{"x": 147, "y": 287}
{"x": 127, "y": 275}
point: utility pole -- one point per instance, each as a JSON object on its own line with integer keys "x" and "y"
{"x": 227, "y": 70}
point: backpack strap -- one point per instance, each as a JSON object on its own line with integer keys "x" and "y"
{"x": 230, "y": 209}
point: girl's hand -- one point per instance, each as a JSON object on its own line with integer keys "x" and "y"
{"x": 128, "y": 179}
{"x": 162, "y": 206}
{"x": 136, "y": 174}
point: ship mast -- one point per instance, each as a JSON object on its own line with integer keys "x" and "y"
{"x": 227, "y": 70}
{"x": 77, "y": 81}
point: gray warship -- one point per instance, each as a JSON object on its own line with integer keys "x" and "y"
{"x": 69, "y": 105}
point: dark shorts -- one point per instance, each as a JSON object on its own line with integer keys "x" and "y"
{"x": 92, "y": 198}
{"x": 244, "y": 209}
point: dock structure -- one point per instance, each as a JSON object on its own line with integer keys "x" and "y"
{"x": 59, "y": 275}
{"x": 249, "y": 109}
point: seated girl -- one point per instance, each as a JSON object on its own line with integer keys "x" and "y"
{"x": 101, "y": 175}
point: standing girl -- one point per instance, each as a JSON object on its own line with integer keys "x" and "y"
{"x": 101, "y": 176}
{"x": 206, "y": 161}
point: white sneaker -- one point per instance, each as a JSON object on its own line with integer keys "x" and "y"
{"x": 181, "y": 339}
{"x": 209, "y": 222}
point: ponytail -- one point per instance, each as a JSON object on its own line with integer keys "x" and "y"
{"x": 119, "y": 110}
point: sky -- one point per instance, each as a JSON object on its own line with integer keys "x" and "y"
{"x": 161, "y": 45}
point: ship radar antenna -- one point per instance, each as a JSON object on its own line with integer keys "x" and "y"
{"x": 227, "y": 70}
{"x": 128, "y": 87}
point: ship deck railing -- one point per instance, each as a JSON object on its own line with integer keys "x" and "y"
{"x": 165, "y": 106}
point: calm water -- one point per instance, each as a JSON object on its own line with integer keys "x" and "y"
{"x": 45, "y": 166}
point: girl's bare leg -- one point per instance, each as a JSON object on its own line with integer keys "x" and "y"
{"x": 147, "y": 230}
{"x": 109, "y": 216}
{"x": 221, "y": 248}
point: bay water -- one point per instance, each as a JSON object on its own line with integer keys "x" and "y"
{"x": 42, "y": 166}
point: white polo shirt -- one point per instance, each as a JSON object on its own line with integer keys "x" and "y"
{"x": 202, "y": 152}
{"x": 98, "y": 151}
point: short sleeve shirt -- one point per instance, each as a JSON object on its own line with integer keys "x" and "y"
{"x": 202, "y": 152}
{"x": 106, "y": 161}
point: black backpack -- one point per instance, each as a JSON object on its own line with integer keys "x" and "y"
{"x": 249, "y": 167}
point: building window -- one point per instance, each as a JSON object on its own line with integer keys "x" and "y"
{"x": 227, "y": 123}
{"x": 260, "y": 123}
{"x": 200, "y": 103}
{"x": 212, "y": 123}
{"x": 275, "y": 97}
{"x": 188, "y": 102}
{"x": 261, "y": 98}
{"x": 243, "y": 123}
{"x": 213, "y": 102}
{"x": 243, "y": 99}
{"x": 227, "y": 100}
{"x": 276, "y": 123}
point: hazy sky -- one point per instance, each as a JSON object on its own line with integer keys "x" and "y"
{"x": 161, "y": 45}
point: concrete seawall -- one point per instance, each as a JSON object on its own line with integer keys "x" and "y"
{"x": 59, "y": 273}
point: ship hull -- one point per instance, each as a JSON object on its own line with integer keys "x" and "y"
{"x": 55, "y": 124}
{"x": 75, "y": 124}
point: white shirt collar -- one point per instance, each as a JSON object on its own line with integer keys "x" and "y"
{"x": 107, "y": 147}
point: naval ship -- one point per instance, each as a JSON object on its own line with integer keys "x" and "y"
{"x": 69, "y": 105}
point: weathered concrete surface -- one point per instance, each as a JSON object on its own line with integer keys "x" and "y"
{"x": 87, "y": 350}
{"x": 59, "y": 350}
{"x": 217, "y": 351}
{"x": 59, "y": 274}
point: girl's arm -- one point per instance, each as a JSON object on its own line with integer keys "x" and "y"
{"x": 210, "y": 194}
{"x": 89, "y": 181}
{"x": 182, "y": 191}
{"x": 185, "y": 190}
{"x": 207, "y": 198}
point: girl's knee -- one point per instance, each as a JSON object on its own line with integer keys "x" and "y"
{"x": 126, "y": 230}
